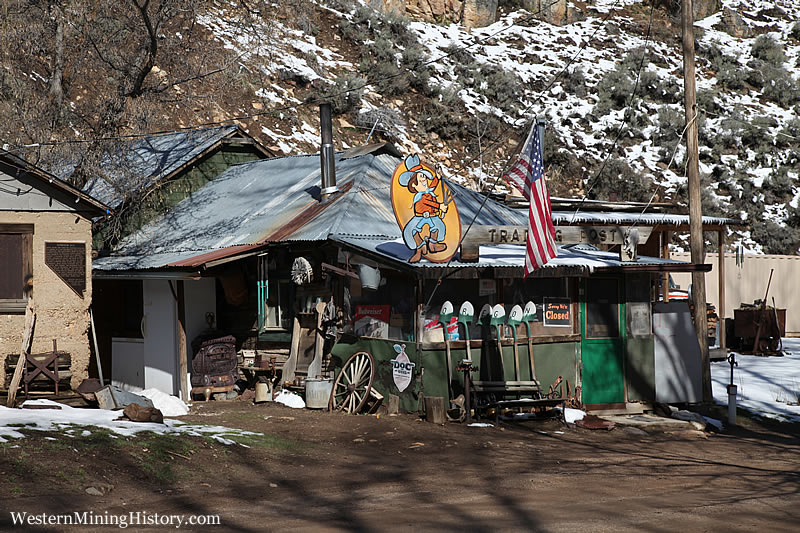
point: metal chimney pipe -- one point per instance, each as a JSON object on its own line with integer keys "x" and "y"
{"x": 327, "y": 162}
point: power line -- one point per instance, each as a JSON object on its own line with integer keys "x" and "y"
{"x": 489, "y": 147}
{"x": 624, "y": 115}
{"x": 509, "y": 163}
{"x": 660, "y": 186}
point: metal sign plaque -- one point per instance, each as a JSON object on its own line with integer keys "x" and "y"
{"x": 402, "y": 368}
{"x": 425, "y": 210}
{"x": 68, "y": 261}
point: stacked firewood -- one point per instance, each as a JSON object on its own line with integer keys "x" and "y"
{"x": 711, "y": 317}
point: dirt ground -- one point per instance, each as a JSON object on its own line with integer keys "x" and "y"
{"x": 316, "y": 471}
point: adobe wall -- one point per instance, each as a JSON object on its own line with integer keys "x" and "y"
{"x": 60, "y": 313}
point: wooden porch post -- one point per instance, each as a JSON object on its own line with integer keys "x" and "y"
{"x": 420, "y": 329}
{"x": 183, "y": 363}
{"x": 721, "y": 288}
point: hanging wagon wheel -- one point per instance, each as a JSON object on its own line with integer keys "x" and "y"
{"x": 352, "y": 386}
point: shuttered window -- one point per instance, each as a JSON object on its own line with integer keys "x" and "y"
{"x": 15, "y": 265}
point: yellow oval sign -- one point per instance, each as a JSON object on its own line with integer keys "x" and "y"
{"x": 426, "y": 211}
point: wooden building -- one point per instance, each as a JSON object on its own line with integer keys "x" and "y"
{"x": 241, "y": 236}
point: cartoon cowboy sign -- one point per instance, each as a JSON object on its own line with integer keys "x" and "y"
{"x": 424, "y": 209}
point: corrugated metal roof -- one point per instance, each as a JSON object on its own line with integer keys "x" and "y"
{"x": 143, "y": 261}
{"x": 277, "y": 200}
{"x": 141, "y": 162}
{"x": 584, "y": 258}
{"x": 91, "y": 203}
{"x": 565, "y": 218}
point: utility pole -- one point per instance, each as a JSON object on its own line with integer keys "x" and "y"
{"x": 695, "y": 208}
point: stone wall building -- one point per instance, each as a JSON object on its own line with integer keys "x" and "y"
{"x": 46, "y": 251}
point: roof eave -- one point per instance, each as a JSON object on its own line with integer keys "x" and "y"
{"x": 94, "y": 206}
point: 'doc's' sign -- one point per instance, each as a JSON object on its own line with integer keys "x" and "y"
{"x": 424, "y": 208}
{"x": 557, "y": 312}
{"x": 402, "y": 368}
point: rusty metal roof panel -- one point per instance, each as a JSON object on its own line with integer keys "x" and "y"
{"x": 133, "y": 261}
{"x": 277, "y": 200}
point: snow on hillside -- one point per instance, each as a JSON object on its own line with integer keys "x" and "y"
{"x": 743, "y": 133}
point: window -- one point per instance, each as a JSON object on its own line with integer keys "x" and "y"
{"x": 16, "y": 266}
{"x": 602, "y": 308}
{"x": 274, "y": 297}
{"x": 277, "y": 314}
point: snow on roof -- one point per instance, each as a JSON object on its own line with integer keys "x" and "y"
{"x": 577, "y": 258}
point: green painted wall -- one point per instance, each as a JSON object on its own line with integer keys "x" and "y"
{"x": 430, "y": 372}
{"x": 383, "y": 352}
{"x": 553, "y": 360}
{"x": 640, "y": 375}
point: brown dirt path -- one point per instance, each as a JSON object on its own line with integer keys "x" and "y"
{"x": 329, "y": 472}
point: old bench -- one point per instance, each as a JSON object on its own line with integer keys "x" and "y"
{"x": 490, "y": 394}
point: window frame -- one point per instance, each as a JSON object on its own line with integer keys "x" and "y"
{"x": 17, "y": 305}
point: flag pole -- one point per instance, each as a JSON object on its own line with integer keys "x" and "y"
{"x": 540, "y": 124}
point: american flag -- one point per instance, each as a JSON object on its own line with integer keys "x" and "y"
{"x": 527, "y": 175}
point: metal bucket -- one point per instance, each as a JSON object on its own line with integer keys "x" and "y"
{"x": 318, "y": 391}
{"x": 263, "y": 392}
{"x": 370, "y": 277}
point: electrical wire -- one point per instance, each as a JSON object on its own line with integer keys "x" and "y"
{"x": 489, "y": 147}
{"x": 510, "y": 162}
{"x": 624, "y": 115}
{"x": 672, "y": 159}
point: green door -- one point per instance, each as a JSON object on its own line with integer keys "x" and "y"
{"x": 601, "y": 342}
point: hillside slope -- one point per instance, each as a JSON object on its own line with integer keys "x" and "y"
{"x": 609, "y": 84}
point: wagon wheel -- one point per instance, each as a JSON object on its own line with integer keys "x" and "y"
{"x": 352, "y": 386}
{"x": 773, "y": 343}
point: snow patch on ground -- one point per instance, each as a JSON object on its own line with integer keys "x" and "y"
{"x": 290, "y": 399}
{"x": 573, "y": 415}
{"x": 765, "y": 385}
{"x": 63, "y": 418}
{"x": 168, "y": 405}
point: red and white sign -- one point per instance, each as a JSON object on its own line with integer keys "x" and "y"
{"x": 372, "y": 321}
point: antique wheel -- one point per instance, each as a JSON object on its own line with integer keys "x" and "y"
{"x": 773, "y": 344}
{"x": 352, "y": 386}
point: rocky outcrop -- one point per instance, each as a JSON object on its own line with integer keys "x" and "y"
{"x": 558, "y": 13}
{"x": 705, "y": 8}
{"x": 734, "y": 25}
{"x": 433, "y": 10}
{"x": 468, "y": 13}
{"x": 478, "y": 13}
{"x": 396, "y": 7}
{"x": 701, "y": 8}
